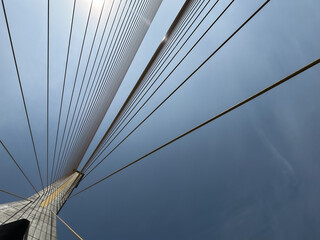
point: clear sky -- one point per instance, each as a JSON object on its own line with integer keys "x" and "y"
{"x": 252, "y": 174}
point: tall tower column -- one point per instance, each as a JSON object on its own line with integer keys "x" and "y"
{"x": 38, "y": 212}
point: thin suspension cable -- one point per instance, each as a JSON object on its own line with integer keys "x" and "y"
{"x": 86, "y": 68}
{"x": 113, "y": 89}
{"x": 15, "y": 195}
{"x": 32, "y": 207}
{"x": 85, "y": 72}
{"x": 174, "y": 42}
{"x": 283, "y": 80}
{"x": 120, "y": 28}
{"x": 72, "y": 134}
{"x": 48, "y": 76}
{"x": 167, "y": 51}
{"x": 184, "y": 81}
{"x": 15, "y": 162}
{"x": 147, "y": 69}
{"x": 89, "y": 57}
{"x": 99, "y": 93}
{"x": 115, "y": 40}
{"x": 139, "y": 96}
{"x": 128, "y": 112}
{"x": 75, "y": 78}
{"x": 13, "y": 215}
{"x": 58, "y": 169}
{"x": 112, "y": 38}
{"x": 68, "y": 226}
{"x": 21, "y": 91}
{"x": 117, "y": 54}
{"x": 64, "y": 81}
{"x": 100, "y": 86}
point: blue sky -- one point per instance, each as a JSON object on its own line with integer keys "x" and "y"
{"x": 252, "y": 174}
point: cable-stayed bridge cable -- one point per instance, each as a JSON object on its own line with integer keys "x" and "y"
{"x": 106, "y": 138}
{"x": 64, "y": 81}
{"x": 75, "y": 80}
{"x": 12, "y": 194}
{"x": 138, "y": 40}
{"x": 100, "y": 87}
{"x": 236, "y": 106}
{"x": 15, "y": 162}
{"x": 48, "y": 91}
{"x": 175, "y": 23}
{"x": 21, "y": 91}
{"x": 86, "y": 68}
{"x": 184, "y": 81}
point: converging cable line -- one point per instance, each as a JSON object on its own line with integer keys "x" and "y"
{"x": 135, "y": 97}
{"x": 15, "y": 195}
{"x": 75, "y": 80}
{"x": 164, "y": 46}
{"x": 64, "y": 81}
{"x": 111, "y": 46}
{"x": 87, "y": 64}
{"x": 15, "y": 162}
{"x": 185, "y": 80}
{"x": 127, "y": 31}
{"x": 48, "y": 90}
{"x": 68, "y": 226}
{"x": 93, "y": 160}
{"x": 21, "y": 91}
{"x": 285, "y": 79}
{"x": 86, "y": 138}
{"x": 99, "y": 49}
{"x": 104, "y": 87}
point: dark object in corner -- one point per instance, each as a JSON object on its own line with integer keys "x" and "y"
{"x": 16, "y": 230}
